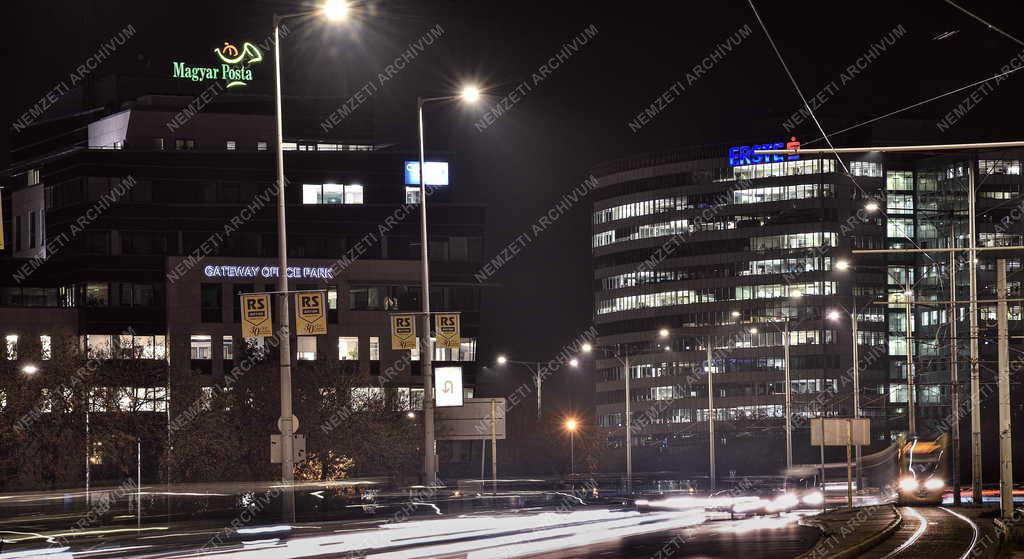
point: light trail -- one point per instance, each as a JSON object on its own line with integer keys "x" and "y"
{"x": 913, "y": 539}
{"x": 974, "y": 527}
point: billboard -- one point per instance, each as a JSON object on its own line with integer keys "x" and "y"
{"x": 436, "y": 175}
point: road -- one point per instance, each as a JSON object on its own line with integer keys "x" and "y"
{"x": 539, "y": 533}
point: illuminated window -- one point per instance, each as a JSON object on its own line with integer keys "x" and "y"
{"x": 374, "y": 348}
{"x": 306, "y": 350}
{"x": 99, "y": 346}
{"x": 348, "y": 348}
{"x": 332, "y": 194}
{"x": 229, "y": 347}
{"x": 201, "y": 346}
{"x": 230, "y": 145}
{"x": 45, "y": 347}
{"x": 899, "y": 180}
{"x": 412, "y": 195}
{"x": 865, "y": 168}
{"x": 11, "y": 346}
{"x": 261, "y": 146}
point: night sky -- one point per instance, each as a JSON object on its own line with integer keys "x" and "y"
{"x": 579, "y": 114}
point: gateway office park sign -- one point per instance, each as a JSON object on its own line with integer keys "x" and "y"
{"x": 235, "y": 66}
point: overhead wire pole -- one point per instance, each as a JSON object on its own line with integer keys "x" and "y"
{"x": 954, "y": 368}
{"x": 1005, "y": 442}
{"x": 711, "y": 419}
{"x": 976, "y": 497}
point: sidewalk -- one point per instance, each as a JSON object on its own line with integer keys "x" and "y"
{"x": 848, "y": 534}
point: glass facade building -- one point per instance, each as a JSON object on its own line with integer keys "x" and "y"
{"x": 731, "y": 260}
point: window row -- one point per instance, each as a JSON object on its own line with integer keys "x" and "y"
{"x": 778, "y": 290}
{"x": 711, "y": 295}
{"x": 105, "y": 399}
{"x": 865, "y": 168}
{"x": 332, "y": 194}
{"x": 10, "y": 347}
{"x": 641, "y": 208}
{"x": 779, "y": 193}
{"x": 784, "y": 169}
{"x": 786, "y": 266}
{"x": 793, "y": 240}
{"x": 998, "y": 167}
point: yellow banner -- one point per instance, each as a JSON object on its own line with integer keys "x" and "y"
{"x": 310, "y": 316}
{"x": 256, "y": 321}
{"x": 2, "y": 220}
{"x": 446, "y": 328}
{"x": 403, "y": 331}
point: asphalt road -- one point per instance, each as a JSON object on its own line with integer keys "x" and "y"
{"x": 934, "y": 533}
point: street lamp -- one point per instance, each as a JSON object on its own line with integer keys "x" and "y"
{"x": 623, "y": 359}
{"x": 535, "y": 368}
{"x": 571, "y": 425}
{"x": 469, "y": 94}
{"x": 787, "y": 389}
{"x": 333, "y": 10}
{"x": 30, "y": 369}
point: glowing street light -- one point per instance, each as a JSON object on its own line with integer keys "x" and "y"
{"x": 30, "y": 369}
{"x": 470, "y": 94}
{"x": 571, "y": 425}
{"x": 574, "y": 362}
{"x": 842, "y": 265}
{"x": 502, "y": 359}
{"x": 586, "y": 348}
{"x": 871, "y": 207}
{"x": 663, "y": 333}
{"x": 735, "y": 314}
{"x": 335, "y": 10}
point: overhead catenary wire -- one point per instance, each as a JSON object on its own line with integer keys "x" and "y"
{"x": 814, "y": 117}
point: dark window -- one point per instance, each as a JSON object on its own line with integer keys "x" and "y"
{"x": 184, "y": 144}
{"x": 236, "y": 290}
{"x": 210, "y": 297}
{"x": 17, "y": 233}
{"x": 32, "y": 229}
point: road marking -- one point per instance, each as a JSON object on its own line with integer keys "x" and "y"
{"x": 974, "y": 526}
{"x": 913, "y": 539}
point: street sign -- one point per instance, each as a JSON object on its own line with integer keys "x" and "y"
{"x": 448, "y": 386}
{"x": 841, "y": 432}
{"x": 403, "y": 331}
{"x": 446, "y": 328}
{"x": 310, "y": 316}
{"x": 295, "y": 424}
{"x": 256, "y": 321}
{"x": 298, "y": 448}
{"x": 472, "y": 421}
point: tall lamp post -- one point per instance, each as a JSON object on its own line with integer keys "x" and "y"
{"x": 788, "y": 388}
{"x": 571, "y": 425}
{"x": 333, "y": 10}
{"x": 469, "y": 94}
{"x": 623, "y": 359}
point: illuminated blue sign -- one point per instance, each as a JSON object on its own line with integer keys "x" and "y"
{"x": 744, "y": 155}
{"x": 436, "y": 175}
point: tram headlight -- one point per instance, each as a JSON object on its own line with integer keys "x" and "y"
{"x": 908, "y": 484}
{"x": 934, "y": 484}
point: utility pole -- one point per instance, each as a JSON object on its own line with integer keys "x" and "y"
{"x": 1005, "y": 443}
{"x": 911, "y": 409}
{"x": 788, "y": 400}
{"x": 629, "y": 429}
{"x": 856, "y": 390}
{"x": 975, "y": 373}
{"x": 954, "y": 365}
{"x": 711, "y": 418}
